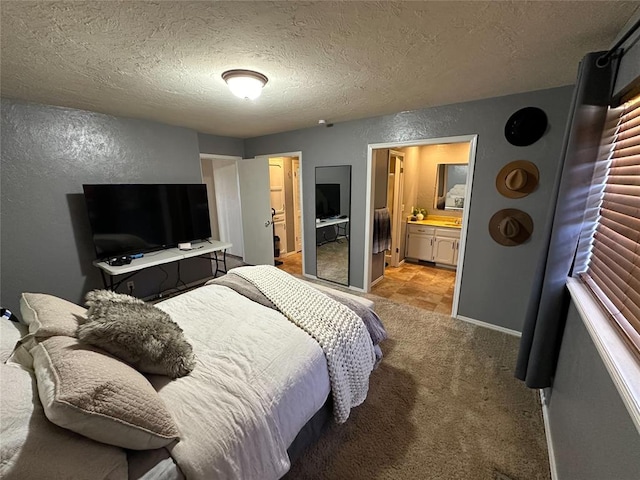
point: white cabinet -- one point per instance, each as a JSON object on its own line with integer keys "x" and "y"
{"x": 420, "y": 242}
{"x": 280, "y": 229}
{"x": 276, "y": 183}
{"x": 438, "y": 245}
{"x": 444, "y": 250}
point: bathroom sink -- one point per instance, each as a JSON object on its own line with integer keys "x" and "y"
{"x": 440, "y": 223}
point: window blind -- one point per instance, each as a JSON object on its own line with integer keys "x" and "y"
{"x": 613, "y": 266}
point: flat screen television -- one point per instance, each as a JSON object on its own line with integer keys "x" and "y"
{"x": 327, "y": 200}
{"x": 134, "y": 218}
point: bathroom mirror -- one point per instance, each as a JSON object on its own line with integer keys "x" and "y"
{"x": 451, "y": 181}
{"x": 333, "y": 207}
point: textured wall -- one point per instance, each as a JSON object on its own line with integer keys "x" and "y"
{"x": 218, "y": 145}
{"x": 497, "y": 279}
{"x": 592, "y": 433}
{"x": 47, "y": 154}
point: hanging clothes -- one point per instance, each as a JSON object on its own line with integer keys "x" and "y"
{"x": 381, "y": 230}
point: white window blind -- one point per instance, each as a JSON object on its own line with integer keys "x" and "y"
{"x": 613, "y": 268}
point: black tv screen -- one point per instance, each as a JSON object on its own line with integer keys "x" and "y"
{"x": 134, "y": 218}
{"x": 327, "y": 200}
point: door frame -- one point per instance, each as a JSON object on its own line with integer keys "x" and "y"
{"x": 297, "y": 205}
{"x": 398, "y": 193}
{"x": 368, "y": 230}
{"x": 300, "y": 186}
{"x": 212, "y": 157}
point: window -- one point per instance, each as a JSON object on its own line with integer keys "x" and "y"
{"x": 613, "y": 244}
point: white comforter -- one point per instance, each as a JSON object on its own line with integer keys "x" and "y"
{"x": 257, "y": 381}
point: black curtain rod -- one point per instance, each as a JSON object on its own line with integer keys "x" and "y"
{"x": 604, "y": 59}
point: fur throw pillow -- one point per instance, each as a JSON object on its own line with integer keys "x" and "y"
{"x": 136, "y": 332}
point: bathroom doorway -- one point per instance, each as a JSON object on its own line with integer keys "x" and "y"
{"x": 432, "y": 249}
{"x": 285, "y": 187}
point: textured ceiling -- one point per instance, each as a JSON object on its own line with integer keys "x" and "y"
{"x": 325, "y": 60}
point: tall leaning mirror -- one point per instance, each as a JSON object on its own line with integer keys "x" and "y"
{"x": 333, "y": 207}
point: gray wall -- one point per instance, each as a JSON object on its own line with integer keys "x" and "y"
{"x": 496, "y": 280}
{"x": 47, "y": 154}
{"x": 215, "y": 144}
{"x": 592, "y": 433}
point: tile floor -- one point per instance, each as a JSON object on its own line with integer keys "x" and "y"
{"x": 420, "y": 285}
{"x": 292, "y": 263}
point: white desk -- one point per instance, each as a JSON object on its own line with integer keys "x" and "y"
{"x": 338, "y": 223}
{"x": 161, "y": 257}
{"x": 331, "y": 221}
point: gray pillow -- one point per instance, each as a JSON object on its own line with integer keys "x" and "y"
{"x": 136, "y": 332}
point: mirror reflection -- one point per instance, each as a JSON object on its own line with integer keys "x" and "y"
{"x": 333, "y": 206}
{"x": 451, "y": 179}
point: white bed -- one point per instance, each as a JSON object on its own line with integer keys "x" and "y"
{"x": 258, "y": 380}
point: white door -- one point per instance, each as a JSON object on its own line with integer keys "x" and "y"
{"x": 395, "y": 184}
{"x": 297, "y": 212}
{"x": 253, "y": 177}
{"x": 228, "y": 207}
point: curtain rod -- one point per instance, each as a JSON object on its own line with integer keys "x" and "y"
{"x": 604, "y": 59}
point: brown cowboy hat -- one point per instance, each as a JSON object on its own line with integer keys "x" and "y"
{"x": 510, "y": 227}
{"x": 517, "y": 179}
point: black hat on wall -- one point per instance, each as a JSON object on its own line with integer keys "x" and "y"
{"x": 526, "y": 126}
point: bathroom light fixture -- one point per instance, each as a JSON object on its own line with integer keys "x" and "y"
{"x": 245, "y": 83}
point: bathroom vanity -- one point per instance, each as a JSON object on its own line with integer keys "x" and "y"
{"x": 434, "y": 240}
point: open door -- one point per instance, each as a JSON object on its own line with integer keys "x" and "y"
{"x": 297, "y": 205}
{"x": 253, "y": 178}
{"x": 395, "y": 185}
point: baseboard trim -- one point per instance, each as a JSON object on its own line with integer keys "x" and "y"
{"x": 491, "y": 326}
{"x": 547, "y": 432}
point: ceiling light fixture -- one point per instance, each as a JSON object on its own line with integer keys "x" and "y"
{"x": 245, "y": 83}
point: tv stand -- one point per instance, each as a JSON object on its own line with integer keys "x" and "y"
{"x": 340, "y": 226}
{"x": 161, "y": 257}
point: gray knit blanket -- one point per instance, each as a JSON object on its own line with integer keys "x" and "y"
{"x": 340, "y": 333}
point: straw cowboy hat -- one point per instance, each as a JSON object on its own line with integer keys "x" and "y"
{"x": 517, "y": 179}
{"x": 526, "y": 126}
{"x": 510, "y": 227}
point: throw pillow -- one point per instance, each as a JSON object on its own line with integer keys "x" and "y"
{"x": 136, "y": 332}
{"x": 33, "y": 447}
{"x": 98, "y": 396}
{"x": 47, "y": 315}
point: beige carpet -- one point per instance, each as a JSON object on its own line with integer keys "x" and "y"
{"x": 443, "y": 405}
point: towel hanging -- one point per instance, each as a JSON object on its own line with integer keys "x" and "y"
{"x": 381, "y": 230}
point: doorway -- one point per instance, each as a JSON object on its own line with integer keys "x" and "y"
{"x": 285, "y": 192}
{"x": 420, "y": 196}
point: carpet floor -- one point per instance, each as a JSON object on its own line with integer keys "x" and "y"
{"x": 442, "y": 405}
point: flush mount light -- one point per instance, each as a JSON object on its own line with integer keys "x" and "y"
{"x": 245, "y": 83}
